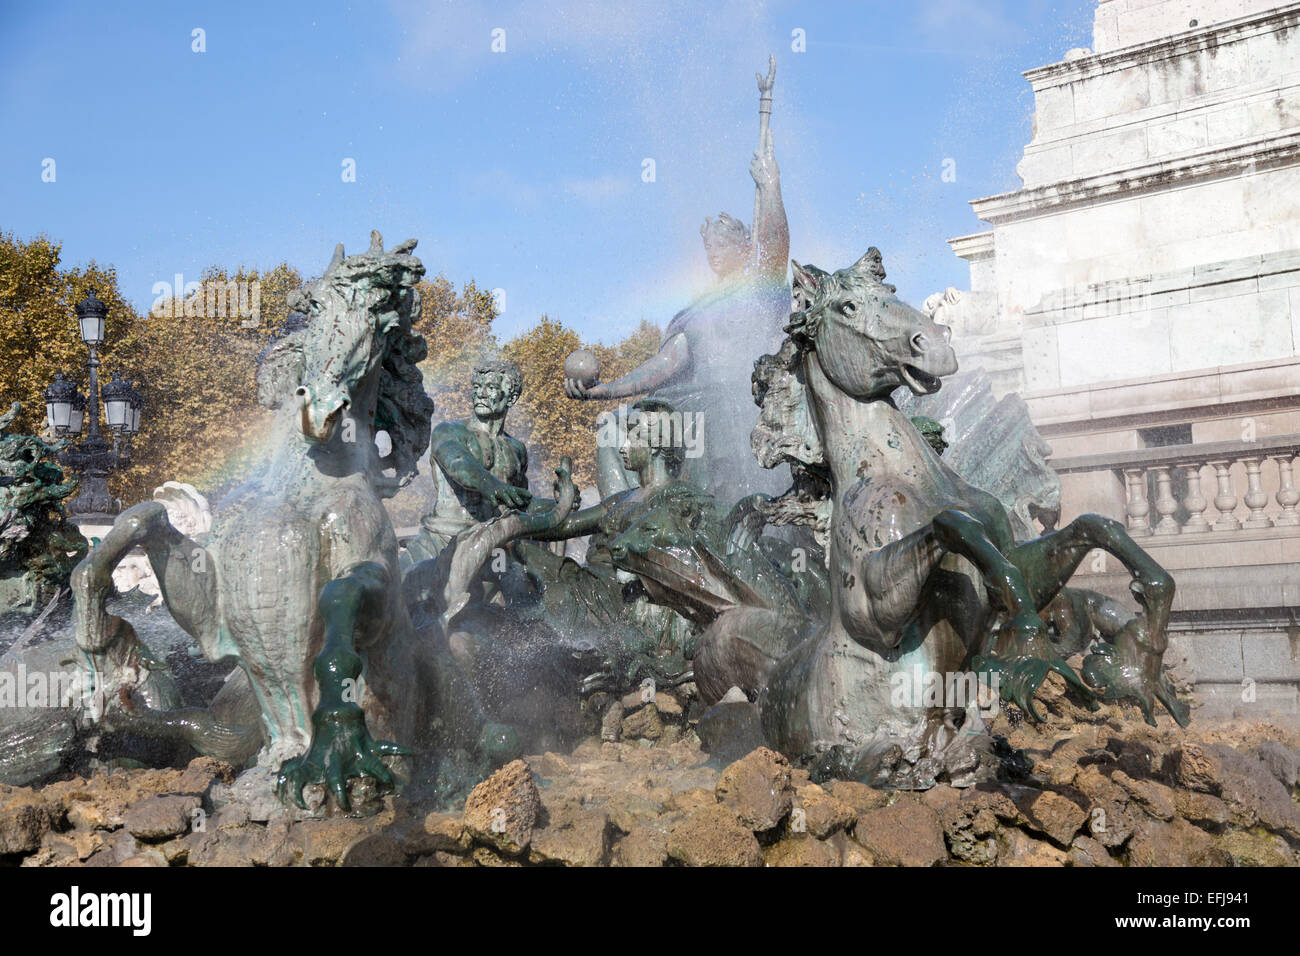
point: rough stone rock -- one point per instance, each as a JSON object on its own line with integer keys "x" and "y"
{"x": 572, "y": 838}
{"x": 1017, "y": 848}
{"x": 159, "y": 818}
{"x": 713, "y": 836}
{"x": 376, "y": 849}
{"x": 503, "y": 810}
{"x": 229, "y": 817}
{"x": 1175, "y": 843}
{"x": 327, "y": 841}
{"x": 940, "y": 796}
{"x": 254, "y": 789}
{"x": 95, "y": 803}
{"x": 1254, "y": 795}
{"x": 1203, "y": 809}
{"x": 1252, "y": 848}
{"x": 446, "y": 833}
{"x": 730, "y": 729}
{"x": 1085, "y": 851}
{"x": 483, "y": 856}
{"x": 644, "y": 846}
{"x": 757, "y": 787}
{"x": 611, "y": 725}
{"x": 1052, "y": 814}
{"x": 801, "y": 850}
{"x": 903, "y": 834}
{"x": 1282, "y": 761}
{"x": 851, "y": 853}
{"x": 1110, "y": 819}
{"x": 817, "y": 813}
{"x": 691, "y": 798}
{"x": 1196, "y": 768}
{"x": 663, "y": 702}
{"x": 858, "y": 795}
{"x": 25, "y": 816}
{"x": 643, "y": 724}
{"x": 971, "y": 823}
{"x": 62, "y": 849}
{"x": 1153, "y": 797}
{"x": 202, "y": 773}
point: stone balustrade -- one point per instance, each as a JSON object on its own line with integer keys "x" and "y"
{"x": 1193, "y": 489}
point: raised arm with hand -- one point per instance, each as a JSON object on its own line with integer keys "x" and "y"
{"x": 771, "y": 231}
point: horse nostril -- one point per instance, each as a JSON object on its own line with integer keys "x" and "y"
{"x": 300, "y": 391}
{"x": 918, "y": 342}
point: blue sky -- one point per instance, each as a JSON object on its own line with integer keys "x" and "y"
{"x": 519, "y": 169}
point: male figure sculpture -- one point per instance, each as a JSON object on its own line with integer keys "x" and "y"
{"x": 479, "y": 468}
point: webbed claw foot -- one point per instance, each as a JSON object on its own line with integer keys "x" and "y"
{"x": 1022, "y": 658}
{"x": 1130, "y": 670}
{"x": 341, "y": 747}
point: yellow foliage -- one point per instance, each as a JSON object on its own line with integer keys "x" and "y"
{"x": 553, "y": 424}
{"x": 38, "y": 326}
{"x": 197, "y": 356}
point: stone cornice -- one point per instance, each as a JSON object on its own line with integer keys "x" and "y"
{"x": 1179, "y": 44}
{"x": 1240, "y": 158}
{"x": 1203, "y": 394}
{"x": 974, "y": 247}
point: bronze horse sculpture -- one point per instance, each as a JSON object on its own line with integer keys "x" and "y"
{"x": 298, "y": 581}
{"x": 925, "y": 572}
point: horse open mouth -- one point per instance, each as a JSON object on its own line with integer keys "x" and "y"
{"x": 920, "y": 381}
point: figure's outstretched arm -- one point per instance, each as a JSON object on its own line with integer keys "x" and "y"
{"x": 673, "y": 358}
{"x": 771, "y": 231}
{"x": 579, "y": 523}
{"x": 341, "y": 747}
{"x": 463, "y": 468}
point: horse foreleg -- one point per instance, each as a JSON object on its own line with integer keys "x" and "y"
{"x": 1022, "y": 653}
{"x": 341, "y": 746}
{"x": 897, "y": 574}
{"x": 1050, "y": 561}
{"x": 1130, "y": 665}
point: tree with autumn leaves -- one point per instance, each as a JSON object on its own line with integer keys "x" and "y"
{"x": 202, "y": 423}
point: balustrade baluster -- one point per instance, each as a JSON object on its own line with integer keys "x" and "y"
{"x": 1195, "y": 502}
{"x": 1136, "y": 506}
{"x": 1256, "y": 498}
{"x": 1166, "y": 503}
{"x": 1226, "y": 500}
{"x": 1287, "y": 496}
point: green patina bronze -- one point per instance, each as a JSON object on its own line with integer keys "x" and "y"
{"x": 298, "y": 580}
{"x": 38, "y": 545}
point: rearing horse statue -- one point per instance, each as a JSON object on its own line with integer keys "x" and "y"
{"x": 297, "y": 581}
{"x": 925, "y": 571}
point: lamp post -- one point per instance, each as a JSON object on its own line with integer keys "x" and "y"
{"x": 69, "y": 414}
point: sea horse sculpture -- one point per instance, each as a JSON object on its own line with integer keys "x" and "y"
{"x": 297, "y": 580}
{"x": 925, "y": 572}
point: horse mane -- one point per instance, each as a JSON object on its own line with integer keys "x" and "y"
{"x": 402, "y": 409}
{"x": 785, "y": 433}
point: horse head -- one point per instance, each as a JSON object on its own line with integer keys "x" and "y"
{"x": 357, "y": 356}
{"x": 868, "y": 341}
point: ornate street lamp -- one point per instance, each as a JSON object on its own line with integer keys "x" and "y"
{"x": 90, "y": 316}
{"x": 60, "y": 398}
{"x": 117, "y": 403}
{"x": 67, "y": 412}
